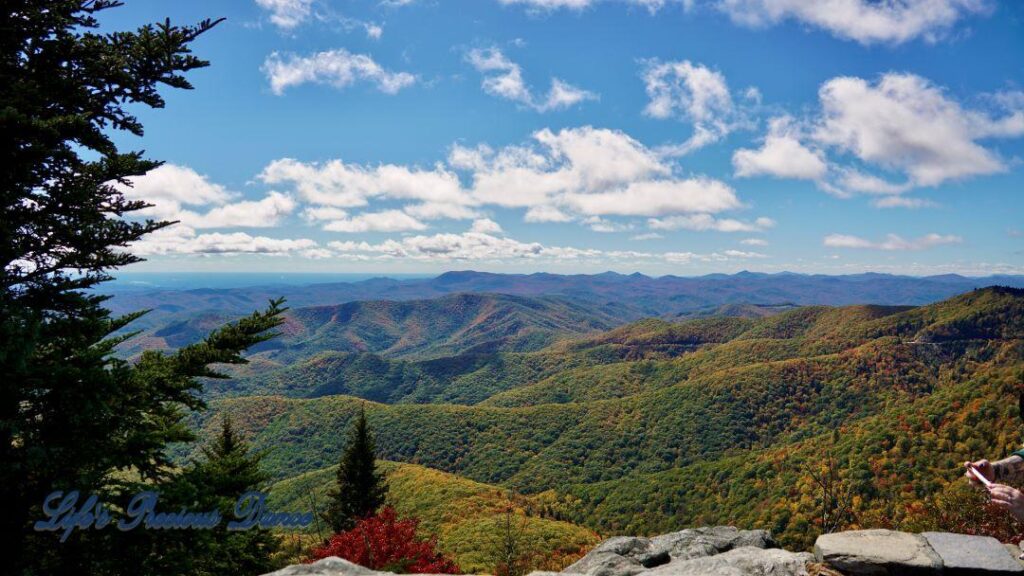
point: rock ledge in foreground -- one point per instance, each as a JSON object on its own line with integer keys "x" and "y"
{"x": 727, "y": 551}
{"x": 886, "y": 552}
{"x": 713, "y": 550}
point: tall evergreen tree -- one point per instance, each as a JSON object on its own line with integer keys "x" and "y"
{"x": 228, "y": 469}
{"x": 361, "y": 488}
{"x": 72, "y": 416}
{"x": 230, "y": 464}
{"x": 173, "y": 380}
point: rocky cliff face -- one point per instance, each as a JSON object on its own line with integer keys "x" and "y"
{"x": 727, "y": 551}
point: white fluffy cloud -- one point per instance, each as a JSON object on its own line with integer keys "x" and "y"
{"x": 441, "y": 210}
{"x": 703, "y": 222}
{"x": 263, "y": 213}
{"x": 655, "y": 198}
{"x": 646, "y": 236}
{"x": 696, "y": 94}
{"x": 903, "y": 202}
{"x": 550, "y": 4}
{"x": 480, "y": 246}
{"x": 563, "y": 95}
{"x": 385, "y": 221}
{"x": 865, "y": 21}
{"x": 320, "y": 213}
{"x": 486, "y": 226}
{"x": 504, "y": 78}
{"x": 885, "y": 138}
{"x": 373, "y": 30}
{"x": 184, "y": 240}
{"x": 334, "y": 186}
{"x": 852, "y": 180}
{"x": 342, "y": 185}
{"x": 781, "y": 155}
{"x": 903, "y": 122}
{"x": 546, "y": 214}
{"x": 598, "y": 178}
{"x": 685, "y": 89}
{"x": 171, "y": 188}
{"x": 598, "y": 224}
{"x": 290, "y": 14}
{"x": 587, "y": 172}
{"x": 338, "y": 68}
{"x": 572, "y": 174}
{"x": 585, "y": 175}
{"x": 446, "y": 247}
{"x": 892, "y": 242}
{"x": 724, "y": 256}
{"x": 287, "y": 14}
{"x": 547, "y": 5}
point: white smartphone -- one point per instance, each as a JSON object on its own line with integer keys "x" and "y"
{"x": 981, "y": 477}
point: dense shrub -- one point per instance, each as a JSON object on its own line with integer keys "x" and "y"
{"x": 385, "y": 542}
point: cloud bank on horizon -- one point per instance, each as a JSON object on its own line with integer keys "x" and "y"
{"x": 660, "y": 135}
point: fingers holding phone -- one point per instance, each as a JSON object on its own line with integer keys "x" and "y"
{"x": 979, "y": 473}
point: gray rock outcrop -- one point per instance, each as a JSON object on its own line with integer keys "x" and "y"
{"x": 885, "y": 552}
{"x": 877, "y": 552}
{"x": 962, "y": 554}
{"x": 726, "y": 551}
{"x": 715, "y": 550}
{"x": 327, "y": 567}
{"x": 742, "y": 561}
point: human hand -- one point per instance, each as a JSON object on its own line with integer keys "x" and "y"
{"x": 984, "y": 467}
{"x": 1010, "y": 499}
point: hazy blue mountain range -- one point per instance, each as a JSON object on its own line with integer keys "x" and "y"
{"x": 641, "y": 295}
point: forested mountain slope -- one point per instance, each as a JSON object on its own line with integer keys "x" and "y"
{"x": 658, "y": 424}
{"x": 444, "y": 326}
{"x": 396, "y": 352}
{"x": 466, "y": 516}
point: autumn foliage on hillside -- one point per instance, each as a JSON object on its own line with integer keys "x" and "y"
{"x": 385, "y": 542}
{"x": 735, "y": 432}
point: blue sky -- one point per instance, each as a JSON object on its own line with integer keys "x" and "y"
{"x": 661, "y": 136}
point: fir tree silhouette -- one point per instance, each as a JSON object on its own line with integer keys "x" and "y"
{"x": 360, "y": 488}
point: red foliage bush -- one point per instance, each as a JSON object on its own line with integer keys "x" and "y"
{"x": 384, "y": 542}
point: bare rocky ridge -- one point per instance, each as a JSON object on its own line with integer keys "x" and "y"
{"x": 727, "y": 551}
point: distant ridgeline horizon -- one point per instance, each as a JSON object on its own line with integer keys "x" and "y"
{"x": 150, "y": 290}
{"x": 214, "y": 279}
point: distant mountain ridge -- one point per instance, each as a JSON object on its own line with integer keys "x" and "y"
{"x": 445, "y": 326}
{"x": 647, "y": 296}
{"x": 441, "y": 326}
